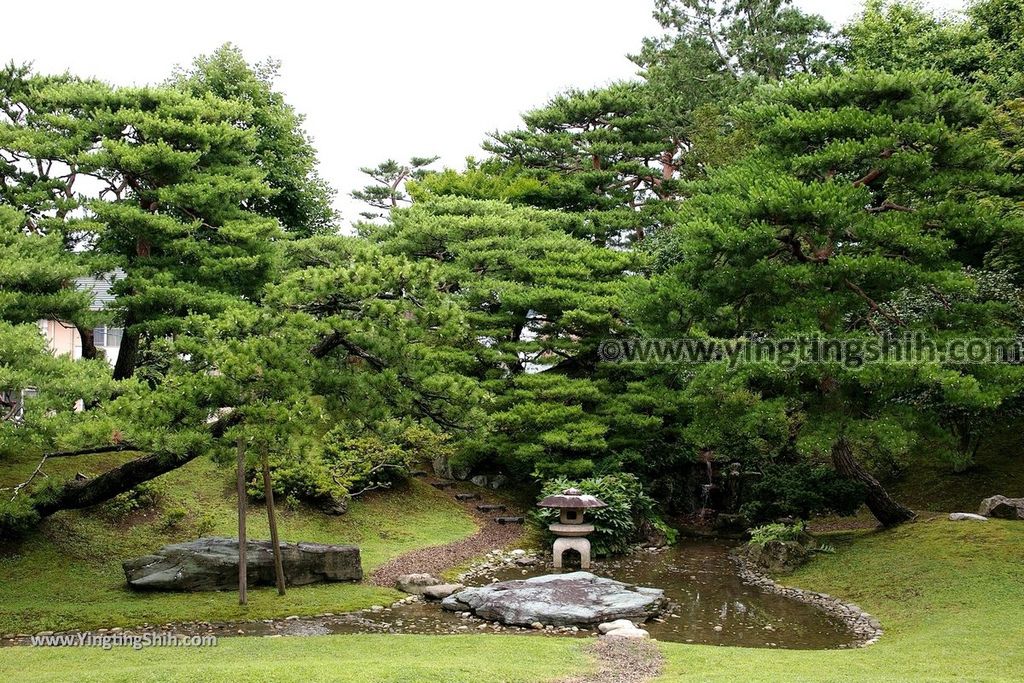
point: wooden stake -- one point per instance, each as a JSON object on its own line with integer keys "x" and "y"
{"x": 243, "y": 593}
{"x": 268, "y": 493}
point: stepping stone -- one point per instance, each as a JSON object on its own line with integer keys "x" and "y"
{"x": 508, "y": 520}
{"x": 418, "y": 473}
{"x": 490, "y": 508}
{"x": 467, "y": 496}
{"x": 442, "y": 484}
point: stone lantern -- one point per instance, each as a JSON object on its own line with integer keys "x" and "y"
{"x": 570, "y": 531}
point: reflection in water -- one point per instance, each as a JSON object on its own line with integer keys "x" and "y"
{"x": 711, "y": 605}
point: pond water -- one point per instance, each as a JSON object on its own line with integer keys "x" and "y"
{"x": 710, "y": 604}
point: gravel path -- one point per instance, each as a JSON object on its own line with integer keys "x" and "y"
{"x": 622, "y": 660}
{"x": 434, "y": 560}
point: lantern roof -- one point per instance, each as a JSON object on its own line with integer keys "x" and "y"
{"x": 572, "y": 498}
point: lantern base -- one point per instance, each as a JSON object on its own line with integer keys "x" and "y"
{"x": 580, "y": 545}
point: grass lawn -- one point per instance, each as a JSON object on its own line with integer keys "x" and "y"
{"x": 358, "y": 658}
{"x": 928, "y": 483}
{"x": 68, "y": 573}
{"x": 949, "y": 596}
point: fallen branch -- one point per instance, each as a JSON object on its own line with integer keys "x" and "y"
{"x": 38, "y": 470}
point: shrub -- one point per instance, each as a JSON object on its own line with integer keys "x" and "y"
{"x": 778, "y": 532}
{"x": 617, "y": 526}
{"x": 173, "y": 519}
{"x": 342, "y": 465}
{"x": 145, "y": 495}
{"x": 801, "y": 490}
{"x": 17, "y": 517}
{"x": 206, "y": 524}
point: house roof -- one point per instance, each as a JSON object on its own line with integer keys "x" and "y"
{"x": 100, "y": 286}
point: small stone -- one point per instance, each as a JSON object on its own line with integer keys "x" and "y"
{"x": 613, "y": 625}
{"x": 416, "y": 583}
{"x": 537, "y": 626}
{"x": 717, "y": 628}
{"x": 295, "y": 617}
{"x": 966, "y": 517}
{"x": 442, "y": 591}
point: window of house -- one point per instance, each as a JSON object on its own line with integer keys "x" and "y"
{"x": 107, "y": 336}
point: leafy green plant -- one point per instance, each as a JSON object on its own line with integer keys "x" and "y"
{"x": 16, "y": 517}
{"x": 206, "y": 524}
{"x": 339, "y": 465}
{"x": 778, "y": 532}
{"x": 617, "y": 526}
{"x": 173, "y": 518}
{"x": 144, "y": 496}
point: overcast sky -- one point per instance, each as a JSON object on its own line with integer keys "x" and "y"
{"x": 375, "y": 79}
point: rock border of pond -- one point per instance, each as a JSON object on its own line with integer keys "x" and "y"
{"x": 866, "y": 628}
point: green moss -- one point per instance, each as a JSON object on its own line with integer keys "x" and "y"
{"x": 67, "y": 574}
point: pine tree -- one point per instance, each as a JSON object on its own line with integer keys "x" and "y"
{"x": 866, "y": 191}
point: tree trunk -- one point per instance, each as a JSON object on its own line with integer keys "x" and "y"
{"x": 243, "y": 588}
{"x": 884, "y": 507}
{"x": 128, "y": 355}
{"x": 89, "y": 351}
{"x": 268, "y": 493}
{"x": 86, "y": 492}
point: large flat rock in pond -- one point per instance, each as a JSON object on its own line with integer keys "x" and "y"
{"x": 210, "y": 564}
{"x": 559, "y": 600}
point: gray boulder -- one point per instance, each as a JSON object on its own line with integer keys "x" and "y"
{"x": 415, "y": 584}
{"x": 210, "y": 564}
{"x": 441, "y": 591}
{"x": 558, "y": 600}
{"x": 1002, "y": 507}
{"x": 777, "y": 556}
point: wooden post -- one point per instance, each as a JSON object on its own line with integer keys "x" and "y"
{"x": 243, "y": 593}
{"x": 268, "y": 493}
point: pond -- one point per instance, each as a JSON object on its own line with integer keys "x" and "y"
{"x": 710, "y": 605}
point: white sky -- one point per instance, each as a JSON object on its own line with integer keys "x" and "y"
{"x": 376, "y": 79}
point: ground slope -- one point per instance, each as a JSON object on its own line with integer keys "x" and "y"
{"x": 67, "y": 574}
